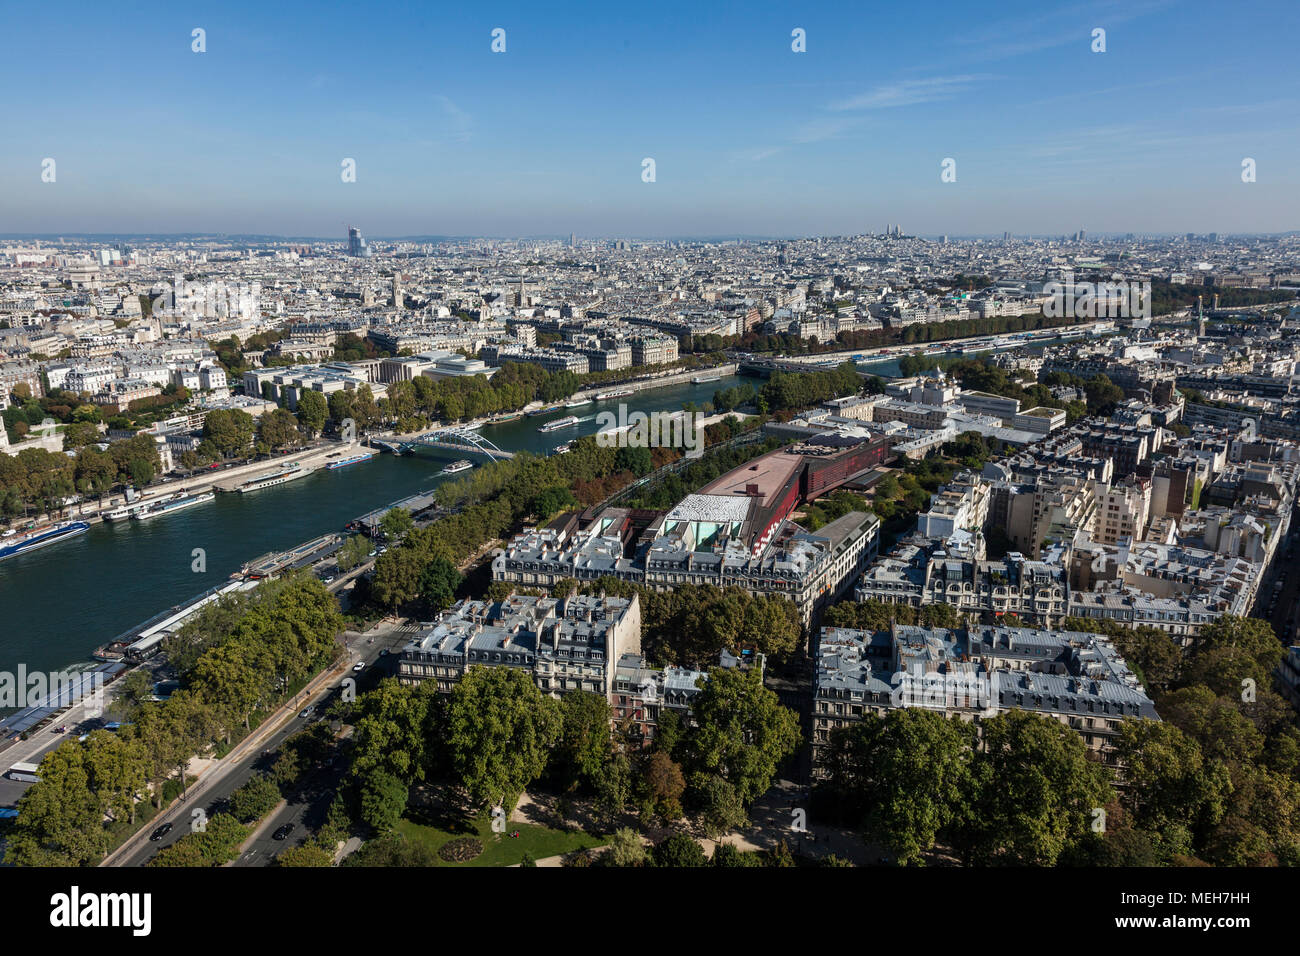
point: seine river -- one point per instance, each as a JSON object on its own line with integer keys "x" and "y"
{"x": 59, "y": 603}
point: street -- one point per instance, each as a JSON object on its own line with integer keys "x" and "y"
{"x": 210, "y": 793}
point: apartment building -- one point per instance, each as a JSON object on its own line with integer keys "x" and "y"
{"x": 653, "y": 349}
{"x": 643, "y": 694}
{"x": 962, "y": 504}
{"x": 1076, "y": 678}
{"x": 1123, "y": 510}
{"x": 923, "y": 572}
{"x": 565, "y": 645}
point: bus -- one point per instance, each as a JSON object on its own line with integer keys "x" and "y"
{"x": 24, "y": 773}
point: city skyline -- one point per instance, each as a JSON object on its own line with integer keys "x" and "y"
{"x": 749, "y": 138}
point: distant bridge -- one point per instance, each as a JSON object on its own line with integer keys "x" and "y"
{"x": 764, "y": 367}
{"x": 460, "y": 440}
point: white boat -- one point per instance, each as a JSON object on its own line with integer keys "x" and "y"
{"x": 177, "y": 502}
{"x": 619, "y": 393}
{"x": 123, "y": 513}
{"x": 352, "y": 460}
{"x": 577, "y": 403}
{"x": 289, "y": 472}
{"x": 565, "y": 422}
{"x": 705, "y": 380}
{"x": 458, "y": 466}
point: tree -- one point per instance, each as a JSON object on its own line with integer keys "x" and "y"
{"x": 96, "y": 472}
{"x": 1230, "y": 650}
{"x": 584, "y": 747}
{"x": 438, "y": 584}
{"x": 626, "y": 848}
{"x": 365, "y": 412}
{"x": 1216, "y": 723}
{"x": 742, "y": 733}
{"x": 552, "y": 500}
{"x": 135, "y": 689}
{"x": 142, "y": 471}
{"x": 340, "y": 406}
{"x": 79, "y": 434}
{"x": 395, "y": 727}
{"x": 313, "y": 410}
{"x": 383, "y": 800}
{"x": 60, "y": 821}
{"x": 305, "y": 855}
{"x": 636, "y": 460}
{"x": 679, "y": 850}
{"x": 395, "y": 523}
{"x": 1171, "y": 789}
{"x": 718, "y": 803}
{"x": 355, "y": 550}
{"x": 725, "y": 854}
{"x": 500, "y": 730}
{"x": 218, "y": 844}
{"x": 1034, "y": 792}
{"x": 614, "y": 787}
{"x": 664, "y": 786}
{"x": 902, "y": 776}
{"x": 254, "y": 799}
{"x": 229, "y": 430}
{"x": 771, "y": 625}
{"x": 278, "y": 428}
{"x": 391, "y": 850}
{"x": 779, "y": 856}
{"x": 1103, "y": 395}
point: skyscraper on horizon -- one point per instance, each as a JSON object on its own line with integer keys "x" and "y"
{"x": 358, "y": 248}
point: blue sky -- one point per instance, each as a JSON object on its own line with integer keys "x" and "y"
{"x": 748, "y": 137}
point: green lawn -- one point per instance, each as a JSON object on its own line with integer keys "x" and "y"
{"x": 501, "y": 849}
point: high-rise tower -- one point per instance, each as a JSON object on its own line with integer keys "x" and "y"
{"x": 357, "y": 246}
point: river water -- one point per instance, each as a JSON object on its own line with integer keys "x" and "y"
{"x": 59, "y": 603}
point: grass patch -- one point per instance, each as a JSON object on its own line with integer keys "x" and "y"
{"x": 500, "y": 849}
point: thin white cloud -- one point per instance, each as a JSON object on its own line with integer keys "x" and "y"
{"x": 814, "y": 131}
{"x": 758, "y": 154}
{"x": 909, "y": 92}
{"x": 460, "y": 124}
{"x": 820, "y": 130}
{"x": 1016, "y": 36}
